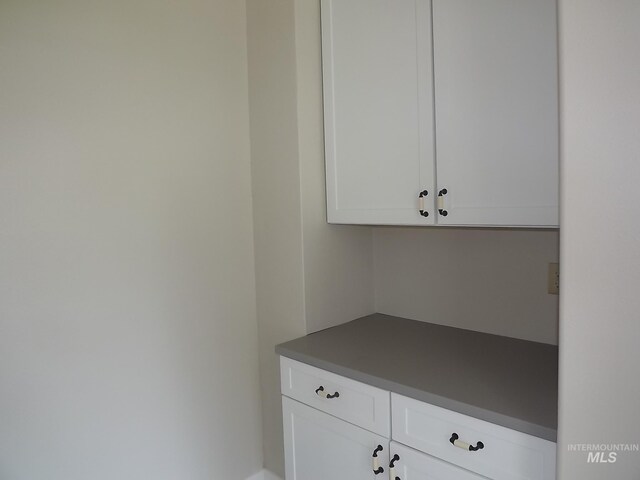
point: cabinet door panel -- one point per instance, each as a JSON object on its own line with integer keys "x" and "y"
{"x": 495, "y": 64}
{"x": 413, "y": 465}
{"x": 320, "y": 447}
{"x": 505, "y": 455}
{"x": 357, "y": 403}
{"x": 378, "y": 106}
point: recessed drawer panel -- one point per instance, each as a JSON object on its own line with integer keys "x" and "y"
{"x": 482, "y": 447}
{"x": 357, "y": 403}
{"x": 409, "y": 464}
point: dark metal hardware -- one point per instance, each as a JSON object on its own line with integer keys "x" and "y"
{"x": 395, "y": 458}
{"x": 423, "y": 194}
{"x": 442, "y": 211}
{"x": 321, "y": 389}
{"x": 479, "y": 445}
{"x": 377, "y": 469}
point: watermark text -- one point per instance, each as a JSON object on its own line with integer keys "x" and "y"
{"x": 603, "y": 452}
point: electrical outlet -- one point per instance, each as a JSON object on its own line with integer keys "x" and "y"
{"x": 553, "y": 279}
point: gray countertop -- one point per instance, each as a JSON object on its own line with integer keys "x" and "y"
{"x": 510, "y": 382}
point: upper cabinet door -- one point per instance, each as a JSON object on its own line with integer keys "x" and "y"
{"x": 378, "y": 107}
{"x": 495, "y": 64}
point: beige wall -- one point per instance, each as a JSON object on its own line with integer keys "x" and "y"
{"x": 599, "y": 325}
{"x": 309, "y": 275}
{"x": 489, "y": 280}
{"x": 127, "y": 309}
{"x": 276, "y": 202}
{"x": 338, "y": 262}
{"x": 406, "y": 276}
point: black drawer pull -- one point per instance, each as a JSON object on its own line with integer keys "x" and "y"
{"x": 392, "y": 465}
{"x": 320, "y": 392}
{"x": 464, "y": 445}
{"x": 421, "y": 203}
{"x": 377, "y": 469}
{"x": 441, "y": 209}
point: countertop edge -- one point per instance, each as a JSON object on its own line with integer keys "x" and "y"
{"x": 517, "y": 424}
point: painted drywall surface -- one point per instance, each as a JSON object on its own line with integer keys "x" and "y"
{"x": 337, "y": 259}
{"x": 276, "y": 200}
{"x": 127, "y": 317}
{"x": 492, "y": 281}
{"x": 309, "y": 275}
{"x": 338, "y": 262}
{"x": 599, "y": 325}
{"x": 334, "y": 263}
{"x": 264, "y": 475}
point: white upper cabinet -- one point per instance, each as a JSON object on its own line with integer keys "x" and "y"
{"x": 495, "y": 65}
{"x": 462, "y": 91}
{"x": 378, "y": 106}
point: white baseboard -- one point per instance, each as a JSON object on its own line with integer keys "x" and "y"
{"x": 264, "y": 475}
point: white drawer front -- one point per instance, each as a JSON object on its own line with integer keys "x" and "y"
{"x": 357, "y": 403}
{"x": 506, "y": 454}
{"x": 409, "y": 464}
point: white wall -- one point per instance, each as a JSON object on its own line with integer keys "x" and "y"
{"x": 127, "y": 315}
{"x": 488, "y": 280}
{"x": 599, "y": 325}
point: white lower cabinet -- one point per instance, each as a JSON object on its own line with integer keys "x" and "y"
{"x": 321, "y": 447}
{"x": 328, "y": 423}
{"x": 355, "y": 402}
{"x": 409, "y": 464}
{"x": 496, "y": 452}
